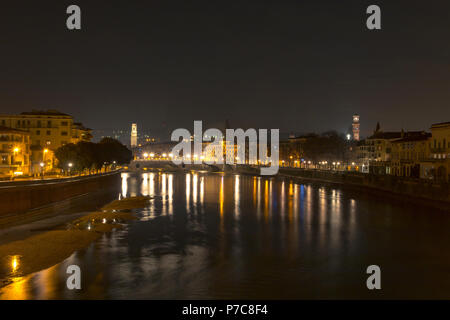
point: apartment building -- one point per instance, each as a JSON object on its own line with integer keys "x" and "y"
{"x": 48, "y": 130}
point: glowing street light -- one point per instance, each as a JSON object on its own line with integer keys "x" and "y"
{"x": 152, "y": 155}
{"x": 145, "y": 155}
{"x": 42, "y": 164}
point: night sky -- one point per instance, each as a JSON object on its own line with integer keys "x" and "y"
{"x": 296, "y": 65}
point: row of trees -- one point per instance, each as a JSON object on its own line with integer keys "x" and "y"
{"x": 92, "y": 156}
{"x": 330, "y": 146}
{"x": 327, "y": 146}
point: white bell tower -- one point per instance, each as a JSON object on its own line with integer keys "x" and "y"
{"x": 133, "y": 135}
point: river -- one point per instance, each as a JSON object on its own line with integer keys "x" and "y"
{"x": 223, "y": 236}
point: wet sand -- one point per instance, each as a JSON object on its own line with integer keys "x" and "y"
{"x": 37, "y": 252}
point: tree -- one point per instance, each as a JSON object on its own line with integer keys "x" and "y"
{"x": 92, "y": 156}
{"x": 329, "y": 146}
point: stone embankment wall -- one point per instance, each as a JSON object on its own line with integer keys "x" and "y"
{"x": 20, "y": 196}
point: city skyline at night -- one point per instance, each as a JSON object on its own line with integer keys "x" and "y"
{"x": 237, "y": 159}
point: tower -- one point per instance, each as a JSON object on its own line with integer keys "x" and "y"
{"x": 133, "y": 135}
{"x": 355, "y": 127}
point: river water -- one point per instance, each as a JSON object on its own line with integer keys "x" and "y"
{"x": 223, "y": 236}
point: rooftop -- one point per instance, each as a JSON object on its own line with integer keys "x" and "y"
{"x": 440, "y": 125}
{"x": 396, "y": 135}
{"x": 50, "y": 112}
{"x": 413, "y": 138}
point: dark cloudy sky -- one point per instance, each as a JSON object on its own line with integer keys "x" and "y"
{"x": 295, "y": 65}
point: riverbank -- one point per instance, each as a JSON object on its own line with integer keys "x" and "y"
{"x": 22, "y": 196}
{"x": 424, "y": 192}
{"x": 37, "y": 252}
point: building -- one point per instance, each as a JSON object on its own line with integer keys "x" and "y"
{"x": 292, "y": 150}
{"x": 407, "y": 155}
{"x": 14, "y": 152}
{"x": 437, "y": 166}
{"x": 355, "y": 127}
{"x": 80, "y": 133}
{"x": 375, "y": 152}
{"x": 133, "y": 141}
{"x": 48, "y": 130}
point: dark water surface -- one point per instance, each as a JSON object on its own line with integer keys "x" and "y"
{"x": 209, "y": 236}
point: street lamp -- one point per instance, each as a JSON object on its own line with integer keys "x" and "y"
{"x": 145, "y": 155}
{"x": 70, "y": 166}
{"x": 42, "y": 169}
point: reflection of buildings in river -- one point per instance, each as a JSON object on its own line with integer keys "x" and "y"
{"x": 163, "y": 194}
{"x": 151, "y": 185}
{"x": 236, "y": 195}
{"x": 258, "y": 198}
{"x": 144, "y": 184}
{"x": 124, "y": 177}
{"x": 322, "y": 223}
{"x": 202, "y": 190}
{"x": 283, "y": 201}
{"x": 46, "y": 283}
{"x": 266, "y": 200}
{"x": 290, "y": 200}
{"x": 188, "y": 192}
{"x": 254, "y": 192}
{"x": 221, "y": 197}
{"x": 194, "y": 191}
{"x": 19, "y": 289}
{"x": 170, "y": 194}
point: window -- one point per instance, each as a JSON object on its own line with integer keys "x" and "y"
{"x": 64, "y": 123}
{"x": 49, "y": 124}
{"x": 64, "y": 133}
{"x": 39, "y": 123}
{"x": 49, "y": 132}
{"x": 38, "y": 132}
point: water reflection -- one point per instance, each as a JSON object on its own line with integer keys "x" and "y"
{"x": 235, "y": 236}
{"x": 236, "y": 195}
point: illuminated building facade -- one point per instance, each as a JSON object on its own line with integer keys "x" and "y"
{"x": 14, "y": 152}
{"x": 48, "y": 130}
